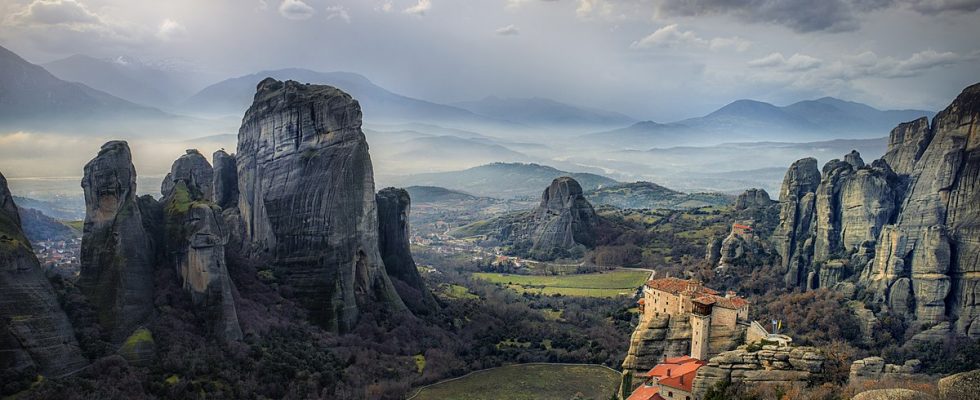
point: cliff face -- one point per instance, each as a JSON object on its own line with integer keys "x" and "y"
{"x": 307, "y": 199}
{"x": 225, "y": 179}
{"x": 35, "y": 331}
{"x": 564, "y": 219}
{"x": 116, "y": 255}
{"x": 907, "y": 225}
{"x": 931, "y": 254}
{"x": 752, "y": 198}
{"x": 394, "y": 206}
{"x": 196, "y": 239}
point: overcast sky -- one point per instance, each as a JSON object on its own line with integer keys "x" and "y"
{"x": 653, "y": 59}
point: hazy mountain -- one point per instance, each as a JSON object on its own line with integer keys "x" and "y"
{"x": 652, "y": 195}
{"x": 125, "y": 78}
{"x": 66, "y": 209}
{"x": 502, "y": 180}
{"x": 30, "y": 96}
{"x": 233, "y": 96}
{"x": 541, "y": 112}
{"x": 756, "y": 121}
{"x": 431, "y": 194}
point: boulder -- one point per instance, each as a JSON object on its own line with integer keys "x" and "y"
{"x": 307, "y": 200}
{"x": 961, "y": 386}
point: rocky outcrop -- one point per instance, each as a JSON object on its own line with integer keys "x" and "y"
{"x": 770, "y": 365}
{"x": 850, "y": 205}
{"x": 307, "y": 200}
{"x": 906, "y": 225}
{"x": 564, "y": 220}
{"x": 225, "y": 179}
{"x": 739, "y": 244}
{"x": 964, "y": 386}
{"x": 394, "y": 206}
{"x": 875, "y": 369}
{"x": 752, "y": 198}
{"x": 927, "y": 263}
{"x": 116, "y": 256}
{"x": 34, "y": 330}
{"x": 196, "y": 240}
{"x": 654, "y": 339}
{"x": 793, "y": 238}
{"x": 193, "y": 169}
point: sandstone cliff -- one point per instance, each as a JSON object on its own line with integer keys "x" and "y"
{"x": 196, "y": 240}
{"x": 394, "y": 206}
{"x": 752, "y": 198}
{"x": 904, "y": 226}
{"x": 307, "y": 199}
{"x": 34, "y": 330}
{"x": 564, "y": 219}
{"x": 116, "y": 256}
{"x": 225, "y": 179}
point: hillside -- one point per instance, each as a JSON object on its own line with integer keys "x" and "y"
{"x": 652, "y": 195}
{"x": 431, "y": 194}
{"x": 541, "y": 112}
{"x": 502, "y": 180}
{"x": 40, "y": 227}
{"x": 30, "y": 96}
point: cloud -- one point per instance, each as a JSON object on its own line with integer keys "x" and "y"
{"x": 420, "y": 8}
{"x": 58, "y": 12}
{"x": 66, "y": 25}
{"x": 514, "y": 4}
{"x": 171, "y": 30}
{"x": 338, "y": 12}
{"x": 869, "y": 64}
{"x": 588, "y": 8}
{"x": 672, "y": 36}
{"x": 796, "y": 62}
{"x": 263, "y": 5}
{"x": 296, "y": 10}
{"x": 384, "y": 6}
{"x": 806, "y": 15}
{"x": 508, "y": 30}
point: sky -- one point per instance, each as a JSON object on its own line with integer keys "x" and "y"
{"x": 662, "y": 60}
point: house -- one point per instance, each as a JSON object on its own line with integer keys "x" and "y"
{"x": 707, "y": 308}
{"x": 672, "y": 379}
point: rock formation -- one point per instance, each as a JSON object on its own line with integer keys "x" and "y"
{"x": 564, "y": 219}
{"x": 34, "y": 330}
{"x": 196, "y": 239}
{"x": 892, "y": 394}
{"x": 225, "y": 179}
{"x": 116, "y": 256}
{"x": 772, "y": 364}
{"x": 752, "y": 198}
{"x": 194, "y": 169}
{"x": 906, "y": 225}
{"x": 394, "y": 206}
{"x": 964, "y": 386}
{"x": 307, "y": 200}
{"x": 875, "y": 369}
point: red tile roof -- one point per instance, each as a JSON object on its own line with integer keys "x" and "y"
{"x": 677, "y": 286}
{"x": 645, "y": 392}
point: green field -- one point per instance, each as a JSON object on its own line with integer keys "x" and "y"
{"x": 528, "y": 381}
{"x": 604, "y": 284}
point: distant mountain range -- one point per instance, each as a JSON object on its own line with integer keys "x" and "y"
{"x": 749, "y": 120}
{"x": 541, "y": 112}
{"x": 125, "y": 78}
{"x": 31, "y": 96}
{"x": 502, "y": 180}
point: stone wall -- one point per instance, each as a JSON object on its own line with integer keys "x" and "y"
{"x": 770, "y": 365}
